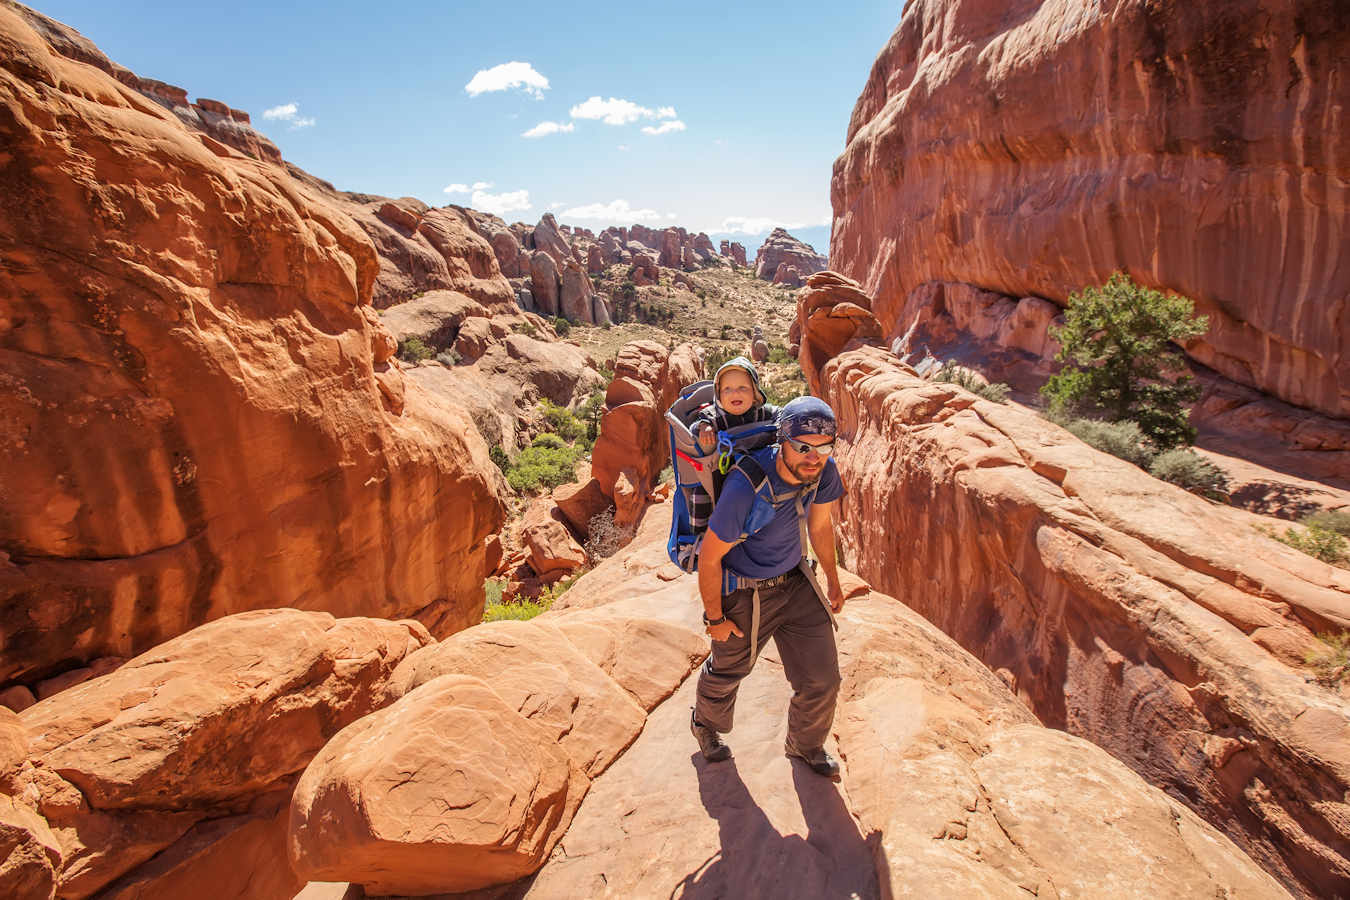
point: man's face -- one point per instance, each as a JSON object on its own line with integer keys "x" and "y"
{"x": 735, "y": 391}
{"x": 806, "y": 467}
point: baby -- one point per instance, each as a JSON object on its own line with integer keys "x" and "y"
{"x": 738, "y": 401}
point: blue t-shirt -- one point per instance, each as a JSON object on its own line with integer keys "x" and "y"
{"x": 776, "y": 548}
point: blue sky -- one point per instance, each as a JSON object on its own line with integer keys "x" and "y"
{"x": 761, "y": 92}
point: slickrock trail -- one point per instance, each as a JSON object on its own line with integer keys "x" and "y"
{"x": 949, "y": 783}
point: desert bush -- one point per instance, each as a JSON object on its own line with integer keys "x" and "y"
{"x": 545, "y": 464}
{"x": 589, "y": 413}
{"x": 561, "y": 326}
{"x": 1187, "y": 469}
{"x": 1337, "y": 520}
{"x": 561, "y": 421}
{"x": 414, "y": 350}
{"x": 714, "y": 358}
{"x": 495, "y": 609}
{"x": 1122, "y": 439}
{"x": 1331, "y": 662}
{"x": 779, "y": 354}
{"x": 448, "y": 357}
{"x": 964, "y": 377}
{"x": 1117, "y": 343}
{"x": 526, "y": 328}
{"x": 1314, "y": 540}
{"x": 603, "y": 537}
{"x": 499, "y": 457}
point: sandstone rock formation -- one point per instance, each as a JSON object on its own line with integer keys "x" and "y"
{"x": 948, "y": 781}
{"x": 633, "y": 446}
{"x": 171, "y": 766}
{"x": 1211, "y": 175}
{"x": 200, "y": 412}
{"x": 782, "y": 252}
{"x": 459, "y": 785}
{"x": 1158, "y": 625}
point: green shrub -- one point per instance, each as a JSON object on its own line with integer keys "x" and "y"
{"x": 1316, "y": 541}
{"x": 716, "y": 356}
{"x": 448, "y": 357}
{"x": 589, "y": 414}
{"x": 499, "y": 457}
{"x": 1188, "y": 469}
{"x": 1337, "y": 520}
{"x": 548, "y": 441}
{"x": 1332, "y": 662}
{"x": 414, "y": 350}
{"x": 1122, "y": 439}
{"x": 561, "y": 421}
{"x": 561, "y": 326}
{"x": 1117, "y": 343}
{"x": 966, "y": 378}
{"x": 545, "y": 464}
{"x": 526, "y": 328}
{"x": 495, "y": 609}
{"x": 779, "y": 354}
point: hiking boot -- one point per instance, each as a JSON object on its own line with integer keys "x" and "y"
{"x": 709, "y": 741}
{"x": 820, "y": 760}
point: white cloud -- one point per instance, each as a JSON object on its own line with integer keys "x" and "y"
{"x": 457, "y": 188}
{"x": 618, "y": 112}
{"x": 506, "y": 76}
{"x": 614, "y": 211}
{"x": 751, "y": 225}
{"x": 286, "y": 112}
{"x": 558, "y": 205}
{"x": 672, "y": 215}
{"x": 500, "y": 204}
{"x": 664, "y": 127}
{"x": 623, "y": 147}
{"x": 290, "y": 114}
{"x": 481, "y": 185}
{"x": 544, "y": 129}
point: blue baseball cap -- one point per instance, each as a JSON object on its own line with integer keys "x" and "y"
{"x": 805, "y": 415}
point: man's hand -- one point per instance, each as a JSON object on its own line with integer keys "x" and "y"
{"x": 724, "y": 631}
{"x": 836, "y": 595}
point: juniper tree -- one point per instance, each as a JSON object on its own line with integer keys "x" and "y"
{"x": 1118, "y": 343}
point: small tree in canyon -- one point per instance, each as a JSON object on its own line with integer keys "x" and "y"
{"x": 1121, "y": 363}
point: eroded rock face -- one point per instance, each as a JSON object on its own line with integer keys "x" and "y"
{"x": 634, "y": 445}
{"x": 1213, "y": 175}
{"x": 200, "y": 415}
{"x": 187, "y": 754}
{"x": 1160, "y": 626}
{"x": 948, "y": 781}
{"x": 458, "y": 785}
{"x": 780, "y": 254}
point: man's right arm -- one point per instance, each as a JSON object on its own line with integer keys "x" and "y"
{"x": 710, "y": 556}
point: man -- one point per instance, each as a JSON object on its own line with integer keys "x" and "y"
{"x": 756, "y": 536}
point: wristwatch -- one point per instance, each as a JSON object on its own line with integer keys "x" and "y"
{"x": 711, "y": 622}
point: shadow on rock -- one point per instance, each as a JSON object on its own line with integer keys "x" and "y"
{"x": 756, "y": 860}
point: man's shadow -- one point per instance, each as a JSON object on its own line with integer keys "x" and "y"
{"x": 755, "y": 860}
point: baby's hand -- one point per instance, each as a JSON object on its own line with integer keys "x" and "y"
{"x": 707, "y": 440}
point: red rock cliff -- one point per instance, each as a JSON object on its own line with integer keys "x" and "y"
{"x": 1031, "y": 147}
{"x": 200, "y": 412}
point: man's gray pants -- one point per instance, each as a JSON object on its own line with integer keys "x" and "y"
{"x": 794, "y": 617}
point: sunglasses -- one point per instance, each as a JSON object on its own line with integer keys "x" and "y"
{"x": 804, "y": 448}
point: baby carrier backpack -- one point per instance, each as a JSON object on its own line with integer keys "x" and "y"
{"x": 692, "y": 467}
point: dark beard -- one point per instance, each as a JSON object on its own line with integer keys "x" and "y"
{"x": 797, "y": 473}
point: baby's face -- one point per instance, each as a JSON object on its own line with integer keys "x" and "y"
{"x": 736, "y": 392}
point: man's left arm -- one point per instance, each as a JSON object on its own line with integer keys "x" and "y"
{"x": 820, "y": 525}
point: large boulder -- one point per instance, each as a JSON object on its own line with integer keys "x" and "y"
{"x": 485, "y": 780}
{"x": 184, "y": 752}
{"x": 544, "y": 285}
{"x": 1201, "y": 179}
{"x": 1165, "y": 628}
{"x": 200, "y": 415}
{"x": 647, "y": 379}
